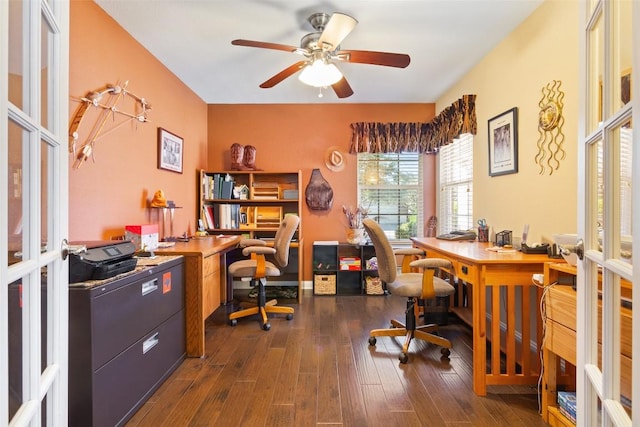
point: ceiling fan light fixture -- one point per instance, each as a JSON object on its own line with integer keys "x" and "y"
{"x": 320, "y": 74}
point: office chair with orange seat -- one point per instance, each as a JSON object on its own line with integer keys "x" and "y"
{"x": 413, "y": 286}
{"x": 257, "y": 268}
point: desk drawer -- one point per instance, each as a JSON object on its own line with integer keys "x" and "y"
{"x": 465, "y": 271}
{"x": 561, "y": 306}
{"x": 211, "y": 265}
{"x": 561, "y": 341}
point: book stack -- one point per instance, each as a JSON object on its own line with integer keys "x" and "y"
{"x": 350, "y": 263}
{"x": 217, "y": 186}
{"x": 567, "y": 404}
{"x": 223, "y": 216}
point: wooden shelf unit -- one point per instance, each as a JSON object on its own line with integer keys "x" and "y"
{"x": 560, "y": 341}
{"x": 269, "y": 197}
{"x": 327, "y": 264}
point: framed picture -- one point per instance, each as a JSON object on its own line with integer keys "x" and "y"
{"x": 170, "y": 151}
{"x": 503, "y": 143}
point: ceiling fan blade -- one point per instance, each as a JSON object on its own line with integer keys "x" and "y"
{"x": 338, "y": 27}
{"x": 342, "y": 88}
{"x": 289, "y": 71}
{"x": 264, "y": 45}
{"x": 388, "y": 59}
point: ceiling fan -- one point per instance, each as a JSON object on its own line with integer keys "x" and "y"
{"x": 320, "y": 49}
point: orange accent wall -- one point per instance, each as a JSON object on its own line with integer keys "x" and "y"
{"x": 113, "y": 192}
{"x": 295, "y": 137}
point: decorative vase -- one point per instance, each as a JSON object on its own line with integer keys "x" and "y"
{"x": 355, "y": 236}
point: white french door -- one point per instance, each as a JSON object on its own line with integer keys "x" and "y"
{"x": 33, "y": 211}
{"x": 608, "y": 341}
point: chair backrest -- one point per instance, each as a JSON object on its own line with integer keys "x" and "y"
{"x": 283, "y": 239}
{"x": 387, "y": 266}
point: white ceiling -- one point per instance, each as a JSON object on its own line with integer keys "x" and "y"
{"x": 445, "y": 39}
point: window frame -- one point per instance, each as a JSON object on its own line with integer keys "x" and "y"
{"x": 365, "y": 159}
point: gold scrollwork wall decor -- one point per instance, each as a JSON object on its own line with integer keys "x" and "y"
{"x": 550, "y": 121}
{"x": 106, "y": 100}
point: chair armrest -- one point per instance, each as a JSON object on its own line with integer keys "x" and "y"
{"x": 409, "y": 251}
{"x": 258, "y": 250}
{"x": 251, "y": 242}
{"x": 431, "y": 263}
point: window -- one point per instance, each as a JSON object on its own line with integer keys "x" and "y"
{"x": 455, "y": 181}
{"x": 390, "y": 188}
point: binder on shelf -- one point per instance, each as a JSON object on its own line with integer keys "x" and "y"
{"x": 215, "y": 189}
{"x": 226, "y": 189}
{"x": 209, "y": 216}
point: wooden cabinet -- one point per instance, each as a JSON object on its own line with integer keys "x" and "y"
{"x": 560, "y": 340}
{"x": 125, "y": 337}
{"x": 205, "y": 283}
{"x": 266, "y": 198}
{"x": 342, "y": 268}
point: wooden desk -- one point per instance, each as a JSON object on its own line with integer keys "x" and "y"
{"x": 501, "y": 302}
{"x": 205, "y": 278}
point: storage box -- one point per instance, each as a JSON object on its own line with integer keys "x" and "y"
{"x": 324, "y": 284}
{"x": 350, "y": 263}
{"x": 373, "y": 286}
{"x": 144, "y": 236}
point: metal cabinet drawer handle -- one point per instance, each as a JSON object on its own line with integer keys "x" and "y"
{"x": 150, "y": 342}
{"x": 150, "y": 286}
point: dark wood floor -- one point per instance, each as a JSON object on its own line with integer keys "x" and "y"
{"x": 318, "y": 369}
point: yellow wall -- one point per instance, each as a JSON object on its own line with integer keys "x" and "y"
{"x": 542, "y": 49}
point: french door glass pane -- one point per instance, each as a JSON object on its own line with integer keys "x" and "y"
{"x": 597, "y": 152}
{"x": 623, "y": 135}
{"x": 45, "y": 151}
{"x": 45, "y": 75}
{"x": 18, "y": 83}
{"x": 622, "y": 36}
{"x": 595, "y": 76}
{"x": 15, "y": 203}
{"x": 14, "y": 325}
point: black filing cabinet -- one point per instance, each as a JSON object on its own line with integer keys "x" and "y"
{"x": 125, "y": 337}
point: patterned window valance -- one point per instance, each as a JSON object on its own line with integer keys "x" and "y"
{"x": 426, "y": 138}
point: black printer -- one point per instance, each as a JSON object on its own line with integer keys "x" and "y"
{"x": 101, "y": 260}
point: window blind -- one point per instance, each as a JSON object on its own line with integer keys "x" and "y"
{"x": 455, "y": 182}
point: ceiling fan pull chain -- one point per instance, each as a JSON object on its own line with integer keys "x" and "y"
{"x": 320, "y": 95}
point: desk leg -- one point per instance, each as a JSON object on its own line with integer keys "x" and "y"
{"x": 479, "y": 308}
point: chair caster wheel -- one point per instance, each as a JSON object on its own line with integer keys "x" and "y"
{"x": 233, "y": 322}
{"x": 404, "y": 357}
{"x": 445, "y": 351}
{"x": 289, "y": 316}
{"x": 372, "y": 340}
{"x": 266, "y": 326}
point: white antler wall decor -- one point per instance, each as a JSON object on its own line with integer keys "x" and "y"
{"x": 107, "y": 101}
